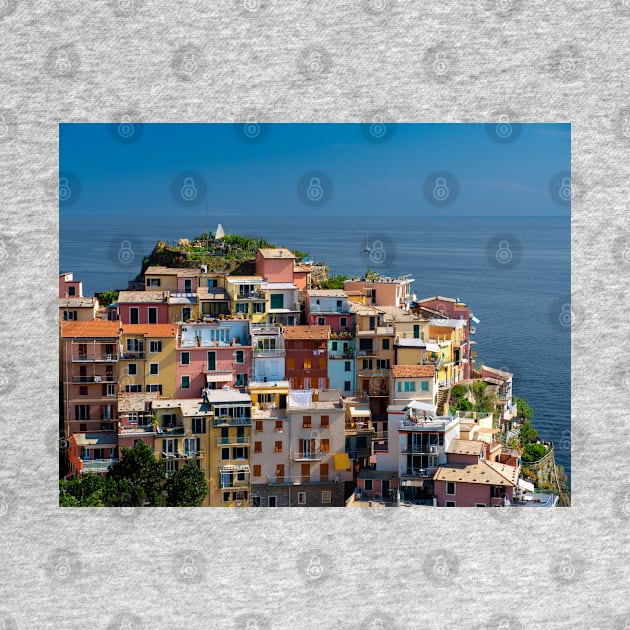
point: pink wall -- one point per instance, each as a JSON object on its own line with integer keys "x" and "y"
{"x": 181, "y": 282}
{"x": 275, "y": 269}
{"x": 332, "y": 320}
{"x": 467, "y": 494}
{"x": 64, "y": 288}
{"x": 143, "y": 313}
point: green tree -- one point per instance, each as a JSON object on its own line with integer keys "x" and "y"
{"x": 533, "y": 452}
{"x": 186, "y": 487}
{"x": 527, "y": 434}
{"x": 523, "y": 410}
{"x": 334, "y": 282}
{"x": 139, "y": 467}
{"x": 105, "y": 298}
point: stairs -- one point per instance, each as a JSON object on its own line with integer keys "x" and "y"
{"x": 442, "y": 401}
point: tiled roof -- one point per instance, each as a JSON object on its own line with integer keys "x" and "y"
{"x": 501, "y": 373}
{"x": 91, "y": 328}
{"x": 141, "y": 297}
{"x": 484, "y": 472}
{"x": 150, "y": 330}
{"x": 76, "y": 302}
{"x": 412, "y": 371}
{"x": 180, "y": 272}
{"x": 327, "y": 293}
{"x": 278, "y": 252}
{"x": 306, "y": 332}
{"x": 465, "y": 447}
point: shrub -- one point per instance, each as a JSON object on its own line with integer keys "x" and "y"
{"x": 533, "y": 452}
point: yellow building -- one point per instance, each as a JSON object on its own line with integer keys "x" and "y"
{"x": 182, "y": 307}
{"x": 183, "y": 433}
{"x": 247, "y": 297}
{"x": 230, "y": 447}
{"x": 172, "y": 279}
{"x": 448, "y": 334}
{"x": 77, "y": 309}
{"x": 148, "y": 358}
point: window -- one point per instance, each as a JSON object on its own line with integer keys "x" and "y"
{"x": 343, "y": 322}
{"x": 186, "y": 313}
{"x": 191, "y": 446}
{"x": 307, "y": 364}
{"x": 70, "y": 316}
{"x": 416, "y": 331}
{"x": 257, "y": 473}
{"x": 132, "y": 369}
{"x": 322, "y": 364}
{"x": 110, "y": 390}
{"x": 367, "y": 364}
{"x": 154, "y": 369}
{"x": 72, "y": 291}
{"x": 259, "y": 307}
{"x": 259, "y": 426}
{"x": 347, "y": 366}
{"x": 325, "y": 422}
{"x": 255, "y": 501}
{"x": 211, "y": 283}
{"x": 156, "y": 387}
{"x": 382, "y": 364}
{"x": 278, "y": 446}
{"x": 333, "y": 346}
{"x": 321, "y": 321}
{"x": 133, "y": 388}
{"x": 325, "y": 445}
{"x": 480, "y": 505}
{"x": 168, "y": 446}
{"x": 242, "y": 307}
{"x": 451, "y": 504}
{"x": 346, "y": 386}
{"x": 450, "y": 487}
{"x": 385, "y": 344}
{"x": 184, "y": 358}
{"x": 410, "y": 386}
{"x": 272, "y": 501}
{"x": 83, "y": 390}
{"x": 239, "y": 356}
{"x": 326, "y": 497}
{"x": 240, "y": 453}
{"x": 306, "y": 422}
{"x": 155, "y": 346}
{"x": 134, "y": 315}
{"x": 279, "y": 428}
{"x": 424, "y": 386}
{"x": 153, "y": 282}
{"x": 185, "y": 382}
{"x": 301, "y": 498}
{"x": 241, "y": 379}
{"x": 187, "y": 286}
{"x": 365, "y": 345}
{"x": 225, "y": 453}
{"x": 257, "y": 447}
{"x": 277, "y": 301}
{"x": 212, "y": 360}
{"x": 198, "y": 425}
{"x": 367, "y": 484}
{"x": 290, "y": 364}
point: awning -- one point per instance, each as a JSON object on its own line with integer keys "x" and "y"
{"x": 218, "y": 377}
{"x": 342, "y": 461}
{"x": 474, "y": 319}
{"x": 417, "y": 483}
{"x": 360, "y": 413}
{"x": 432, "y": 347}
{"x": 420, "y": 406}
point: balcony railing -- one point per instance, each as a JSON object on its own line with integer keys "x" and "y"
{"x": 93, "y": 379}
{"x": 252, "y": 295}
{"x": 234, "y": 441}
{"x": 171, "y": 430}
{"x": 269, "y": 353}
{"x": 184, "y": 455}
{"x": 366, "y": 353}
{"x": 421, "y": 472}
{"x": 232, "y": 422}
{"x": 359, "y": 426}
{"x": 233, "y": 483}
{"x": 297, "y": 480}
{"x": 428, "y": 449}
{"x": 133, "y": 355}
{"x": 80, "y": 358}
{"x": 312, "y": 456}
{"x": 98, "y": 465}
{"x": 341, "y": 355}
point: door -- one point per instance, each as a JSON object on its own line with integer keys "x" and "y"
{"x": 186, "y": 313}
{"x": 323, "y": 472}
{"x": 134, "y": 315}
{"x": 385, "y": 490}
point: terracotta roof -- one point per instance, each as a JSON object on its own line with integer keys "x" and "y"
{"x": 150, "y": 330}
{"x": 141, "y": 297}
{"x": 465, "y": 447}
{"x": 91, "y": 328}
{"x": 135, "y": 401}
{"x": 412, "y": 371}
{"x": 306, "y": 332}
{"x": 484, "y": 472}
{"x": 278, "y": 252}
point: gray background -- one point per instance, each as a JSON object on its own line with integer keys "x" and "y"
{"x": 95, "y": 61}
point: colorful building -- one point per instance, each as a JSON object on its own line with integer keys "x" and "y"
{"x": 307, "y": 356}
{"x": 383, "y": 291}
{"x": 268, "y": 353}
{"x": 329, "y": 307}
{"x": 142, "y": 307}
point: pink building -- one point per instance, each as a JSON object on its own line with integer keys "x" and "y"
{"x": 382, "y": 291}
{"x": 329, "y": 307}
{"x": 213, "y": 355}
{"x": 143, "y": 307}
{"x": 275, "y": 264}
{"x": 468, "y": 479}
{"x": 69, "y": 287}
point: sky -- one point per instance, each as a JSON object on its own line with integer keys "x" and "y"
{"x": 321, "y": 169}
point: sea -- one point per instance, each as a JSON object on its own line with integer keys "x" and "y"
{"x": 514, "y": 272}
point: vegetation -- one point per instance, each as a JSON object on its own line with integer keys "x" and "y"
{"x": 472, "y": 397}
{"x": 527, "y": 434}
{"x": 105, "y": 298}
{"x": 138, "y": 480}
{"x": 523, "y": 409}
{"x": 334, "y": 282}
{"x": 533, "y": 452}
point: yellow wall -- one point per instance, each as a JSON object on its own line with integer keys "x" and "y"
{"x": 175, "y": 312}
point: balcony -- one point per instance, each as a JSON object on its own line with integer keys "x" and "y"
{"x": 234, "y": 441}
{"x": 133, "y": 355}
{"x": 359, "y": 426}
{"x": 366, "y": 353}
{"x": 91, "y": 358}
{"x": 311, "y": 456}
{"x": 437, "y": 423}
{"x": 298, "y": 480}
{"x": 93, "y": 379}
{"x": 229, "y": 421}
{"x": 98, "y": 465}
{"x": 420, "y": 449}
{"x": 256, "y": 296}
{"x": 420, "y": 473}
{"x": 184, "y": 455}
{"x": 170, "y": 431}
{"x": 260, "y": 353}
{"x": 341, "y": 355}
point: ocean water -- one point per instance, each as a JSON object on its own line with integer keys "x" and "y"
{"x": 514, "y": 272}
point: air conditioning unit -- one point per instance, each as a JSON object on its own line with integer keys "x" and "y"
{"x": 97, "y": 379}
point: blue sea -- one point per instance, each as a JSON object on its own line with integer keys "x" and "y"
{"x": 514, "y": 272}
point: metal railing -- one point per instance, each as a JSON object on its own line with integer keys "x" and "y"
{"x": 170, "y": 431}
{"x": 421, "y": 472}
{"x": 234, "y": 441}
{"x": 93, "y": 379}
{"x": 341, "y": 355}
{"x": 234, "y": 484}
{"x": 133, "y": 355}
{"x": 232, "y": 422}
{"x": 296, "y": 480}
{"x": 428, "y": 449}
{"x": 78, "y": 358}
{"x": 263, "y": 353}
{"x": 98, "y": 465}
{"x": 312, "y": 456}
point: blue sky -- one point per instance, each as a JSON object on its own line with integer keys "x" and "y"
{"x": 492, "y": 176}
